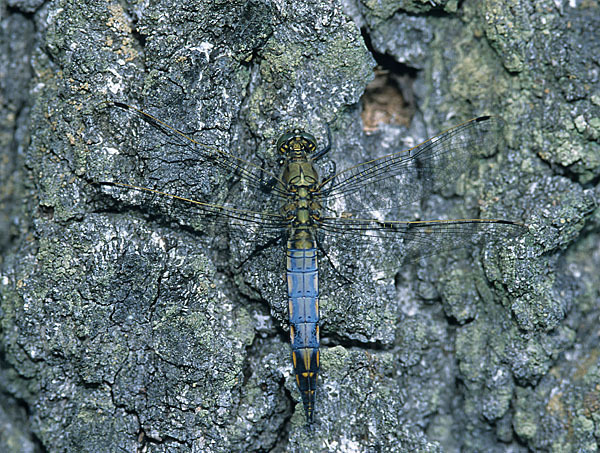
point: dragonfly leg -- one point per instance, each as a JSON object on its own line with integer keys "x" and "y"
{"x": 329, "y": 176}
{"x": 259, "y": 249}
{"x": 327, "y": 148}
{"x": 268, "y": 186}
{"x": 326, "y": 255}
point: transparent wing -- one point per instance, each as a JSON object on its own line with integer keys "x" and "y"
{"x": 253, "y": 175}
{"x": 413, "y": 173}
{"x": 220, "y": 214}
{"x": 412, "y": 240}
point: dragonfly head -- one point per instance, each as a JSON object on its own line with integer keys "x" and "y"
{"x": 296, "y": 142}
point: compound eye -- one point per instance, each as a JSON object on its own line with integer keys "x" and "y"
{"x": 282, "y": 143}
{"x": 309, "y": 140}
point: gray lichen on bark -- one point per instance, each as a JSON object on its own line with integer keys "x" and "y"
{"x": 125, "y": 322}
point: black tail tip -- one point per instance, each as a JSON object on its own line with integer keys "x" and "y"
{"x": 310, "y": 425}
{"x": 310, "y": 417}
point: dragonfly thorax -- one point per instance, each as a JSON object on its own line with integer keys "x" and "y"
{"x": 302, "y": 211}
{"x": 301, "y": 182}
{"x": 300, "y": 174}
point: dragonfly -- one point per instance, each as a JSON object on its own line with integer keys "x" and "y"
{"x": 307, "y": 209}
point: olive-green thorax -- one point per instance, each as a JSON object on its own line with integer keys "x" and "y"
{"x": 301, "y": 181}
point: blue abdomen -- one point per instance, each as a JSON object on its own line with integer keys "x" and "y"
{"x": 303, "y": 299}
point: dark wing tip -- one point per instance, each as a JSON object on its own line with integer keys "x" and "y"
{"x": 483, "y": 118}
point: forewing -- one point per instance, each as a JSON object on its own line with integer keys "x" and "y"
{"x": 411, "y": 174}
{"x": 193, "y": 151}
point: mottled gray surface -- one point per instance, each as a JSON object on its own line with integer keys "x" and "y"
{"x": 126, "y": 325}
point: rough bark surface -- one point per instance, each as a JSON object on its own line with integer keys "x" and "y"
{"x": 126, "y": 324}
